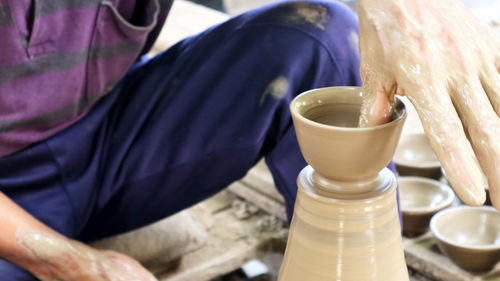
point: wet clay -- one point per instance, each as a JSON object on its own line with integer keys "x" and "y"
{"x": 277, "y": 89}
{"x": 345, "y": 224}
{"x": 303, "y": 13}
{"x": 340, "y": 115}
{"x": 69, "y": 260}
{"x": 439, "y": 56}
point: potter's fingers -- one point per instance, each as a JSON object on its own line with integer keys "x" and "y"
{"x": 497, "y": 59}
{"x": 448, "y": 140}
{"x": 379, "y": 86}
{"x": 376, "y": 108}
{"x": 490, "y": 80}
{"x": 494, "y": 190}
{"x": 494, "y": 38}
{"x": 483, "y": 126}
{"x": 496, "y": 49}
{"x": 377, "y": 104}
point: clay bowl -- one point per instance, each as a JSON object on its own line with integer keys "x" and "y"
{"x": 414, "y": 157}
{"x": 469, "y": 236}
{"x": 421, "y": 198}
{"x": 326, "y": 124}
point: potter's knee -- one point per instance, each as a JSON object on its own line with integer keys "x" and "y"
{"x": 316, "y": 17}
{"x": 331, "y": 23}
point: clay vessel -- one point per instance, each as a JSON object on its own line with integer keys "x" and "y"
{"x": 345, "y": 225}
{"x": 469, "y": 236}
{"x": 415, "y": 157}
{"x": 421, "y": 198}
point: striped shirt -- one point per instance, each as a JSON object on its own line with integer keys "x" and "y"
{"x": 58, "y": 57}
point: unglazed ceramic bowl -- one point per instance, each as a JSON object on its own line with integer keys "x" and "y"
{"x": 469, "y": 236}
{"x": 326, "y": 124}
{"x": 414, "y": 157}
{"x": 421, "y": 198}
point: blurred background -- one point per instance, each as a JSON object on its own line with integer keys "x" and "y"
{"x": 234, "y": 7}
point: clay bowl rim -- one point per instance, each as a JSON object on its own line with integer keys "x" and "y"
{"x": 441, "y": 237}
{"x": 415, "y": 165}
{"x": 356, "y": 90}
{"x": 428, "y": 210}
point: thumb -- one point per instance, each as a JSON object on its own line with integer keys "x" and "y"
{"x": 377, "y": 105}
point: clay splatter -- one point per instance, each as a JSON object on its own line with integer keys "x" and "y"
{"x": 277, "y": 89}
{"x": 300, "y": 13}
{"x": 244, "y": 210}
{"x": 354, "y": 41}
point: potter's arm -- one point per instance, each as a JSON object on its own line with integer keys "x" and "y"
{"x": 13, "y": 220}
{"x": 446, "y": 63}
{"x": 48, "y": 255}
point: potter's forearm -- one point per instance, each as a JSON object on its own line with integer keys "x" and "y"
{"x": 15, "y": 222}
{"x": 30, "y": 244}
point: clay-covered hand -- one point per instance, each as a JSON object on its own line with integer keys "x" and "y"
{"x": 446, "y": 62}
{"x": 68, "y": 260}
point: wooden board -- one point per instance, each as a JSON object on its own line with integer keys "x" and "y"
{"x": 423, "y": 255}
{"x": 261, "y": 180}
{"x": 231, "y": 241}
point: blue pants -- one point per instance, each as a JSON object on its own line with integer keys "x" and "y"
{"x": 185, "y": 124}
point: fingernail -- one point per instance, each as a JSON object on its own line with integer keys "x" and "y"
{"x": 476, "y": 195}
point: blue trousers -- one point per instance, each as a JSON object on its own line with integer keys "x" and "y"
{"x": 185, "y": 124}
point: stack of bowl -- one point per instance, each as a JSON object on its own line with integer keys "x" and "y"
{"x": 421, "y": 198}
{"x": 469, "y": 236}
{"x": 414, "y": 157}
{"x": 422, "y": 195}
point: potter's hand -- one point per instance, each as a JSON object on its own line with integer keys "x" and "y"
{"x": 67, "y": 260}
{"x": 439, "y": 56}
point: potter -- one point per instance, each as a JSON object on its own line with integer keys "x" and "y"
{"x": 415, "y": 48}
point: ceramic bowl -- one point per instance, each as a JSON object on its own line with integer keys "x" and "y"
{"x": 414, "y": 157}
{"x": 326, "y": 125}
{"x": 421, "y": 198}
{"x": 469, "y": 236}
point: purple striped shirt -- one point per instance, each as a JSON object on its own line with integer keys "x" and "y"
{"x": 58, "y": 57}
